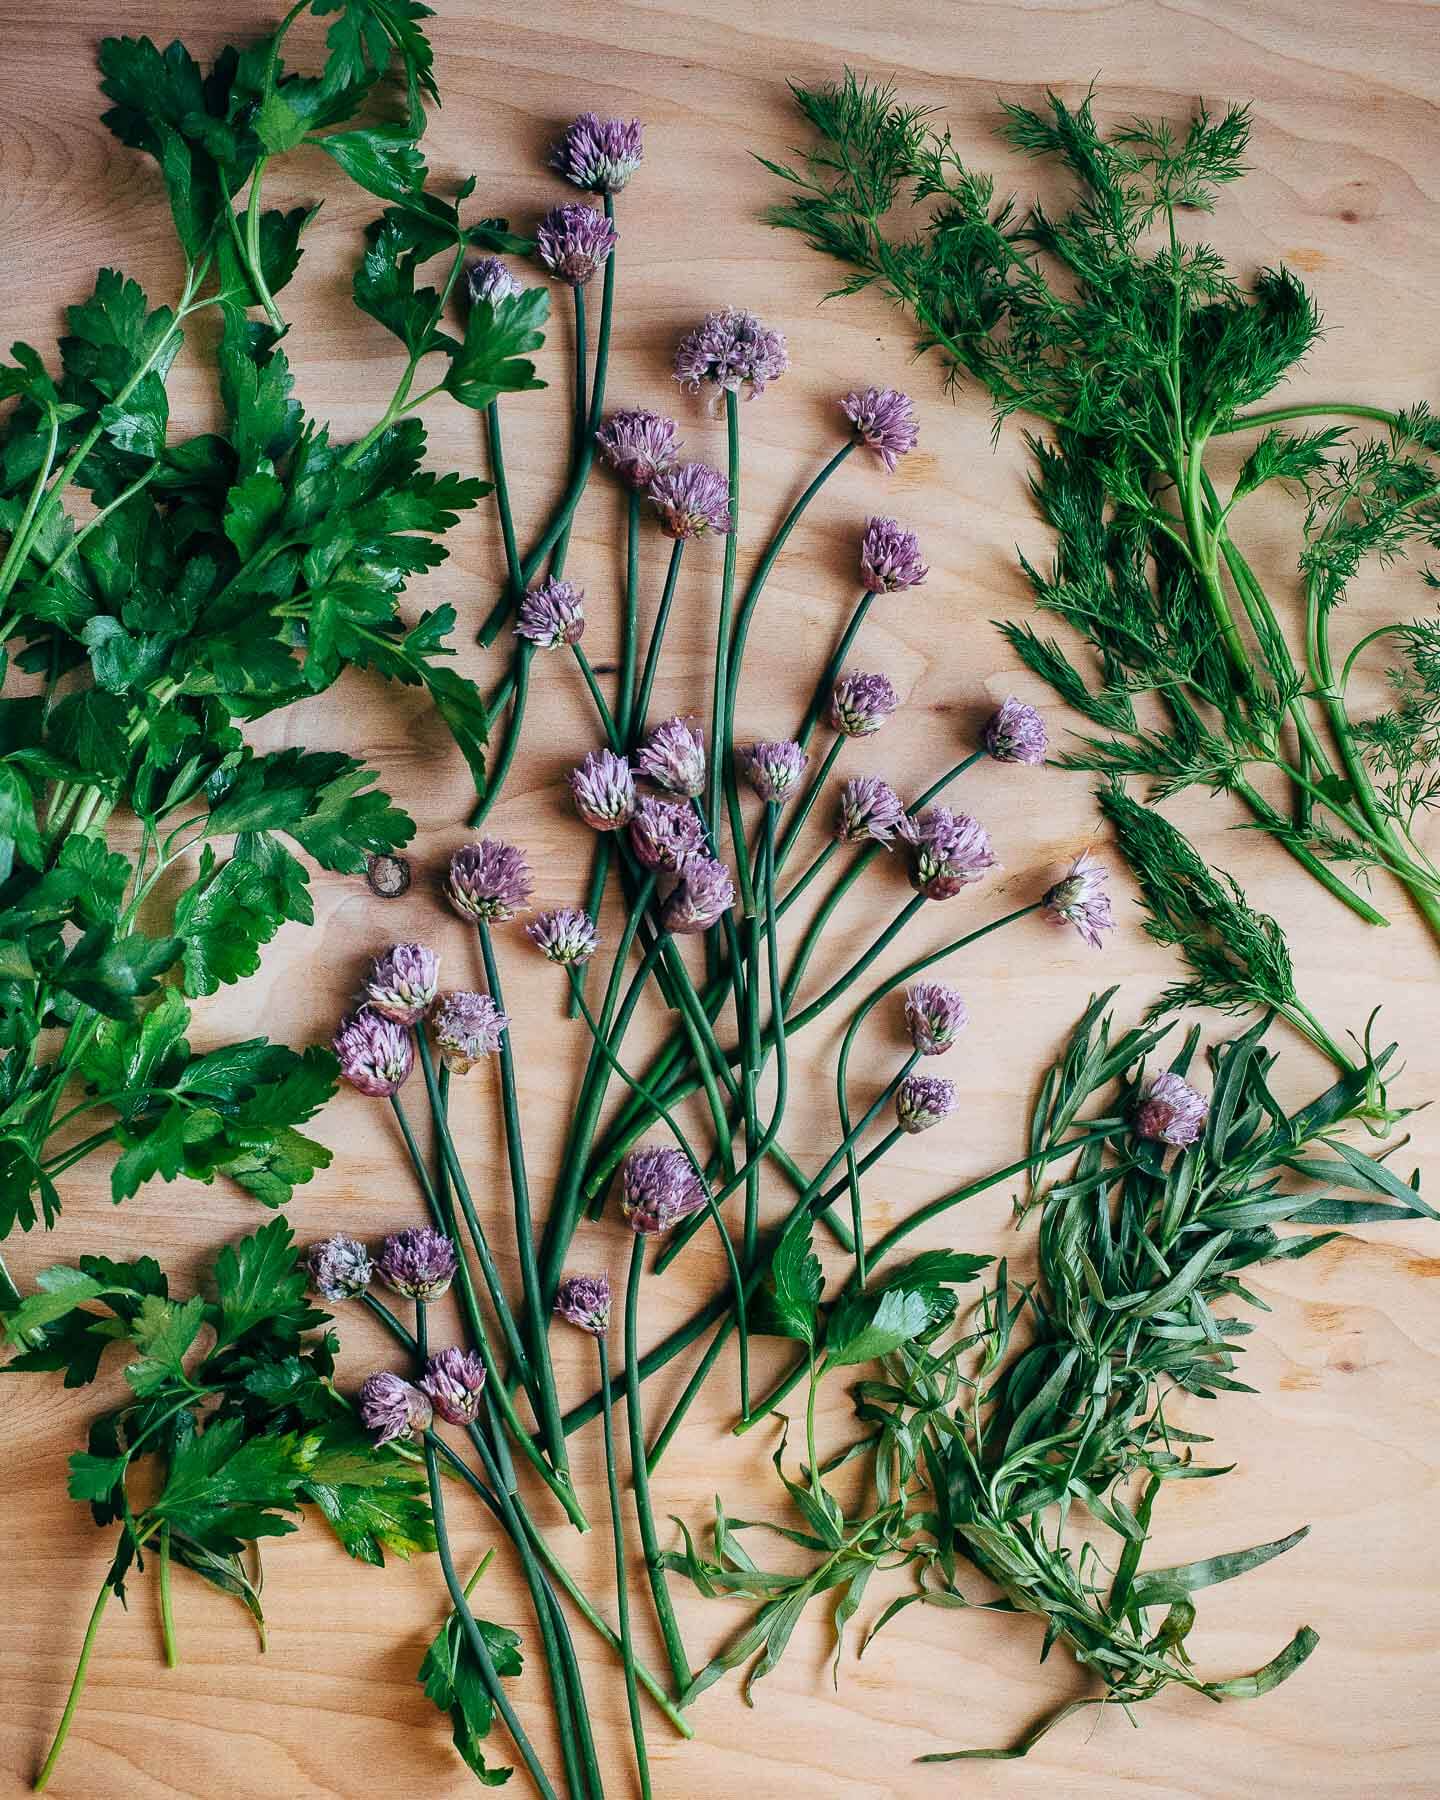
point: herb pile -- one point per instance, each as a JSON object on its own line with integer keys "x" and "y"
{"x": 232, "y": 1426}
{"x": 229, "y": 575}
{"x": 1033, "y": 1441}
{"x": 159, "y": 593}
{"x": 1137, "y": 352}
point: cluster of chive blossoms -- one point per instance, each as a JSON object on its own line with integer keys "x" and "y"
{"x": 375, "y": 1045}
{"x": 662, "y": 831}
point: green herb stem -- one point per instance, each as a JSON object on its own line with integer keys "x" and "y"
{"x": 657, "y": 640}
{"x": 536, "y": 1309}
{"x": 622, "y": 1581}
{"x": 510, "y": 744}
{"x": 473, "y": 1637}
{"x": 77, "y": 1687}
{"x": 836, "y": 663}
{"x": 805, "y": 805}
{"x": 167, "y": 1613}
{"x": 640, "y": 1480}
{"x": 630, "y": 620}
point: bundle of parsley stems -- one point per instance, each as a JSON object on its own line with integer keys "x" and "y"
{"x": 1141, "y": 355}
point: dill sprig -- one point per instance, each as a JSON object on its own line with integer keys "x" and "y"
{"x": 1136, "y": 349}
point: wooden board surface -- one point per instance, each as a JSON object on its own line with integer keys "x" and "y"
{"x": 1342, "y": 1435}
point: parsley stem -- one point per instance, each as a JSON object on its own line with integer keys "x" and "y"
{"x": 254, "y": 266}
{"x": 657, "y": 639}
{"x": 622, "y": 1583}
{"x": 720, "y": 737}
{"x": 479, "y": 1649}
{"x": 77, "y": 1684}
{"x": 536, "y": 1310}
{"x": 639, "y": 1478}
{"x": 167, "y": 1615}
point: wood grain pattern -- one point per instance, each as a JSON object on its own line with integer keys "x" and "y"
{"x": 1342, "y": 1434}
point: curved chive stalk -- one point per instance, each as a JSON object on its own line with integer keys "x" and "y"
{"x": 720, "y": 699}
{"x": 735, "y": 658}
{"x": 479, "y": 1336}
{"x": 657, "y": 639}
{"x": 622, "y": 1584}
{"x": 640, "y": 1480}
{"x": 473, "y": 1638}
{"x": 537, "y": 1313}
{"x": 737, "y": 1284}
{"x": 500, "y": 768}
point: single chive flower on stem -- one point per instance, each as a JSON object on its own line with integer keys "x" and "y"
{"x": 454, "y": 1380}
{"x": 773, "y": 770}
{"x": 1081, "y": 900}
{"x": 922, "y": 1101}
{"x": 949, "y": 851}
{"x": 566, "y": 936}
{"x": 637, "y": 445}
{"x": 599, "y": 155}
{"x": 1016, "y": 734}
{"x": 374, "y": 1052}
{"x": 691, "y": 500}
{"x": 489, "y": 881}
{"x": 603, "y": 788}
{"x": 665, "y": 834}
{"x": 883, "y": 420}
{"x": 339, "y": 1268}
{"x": 419, "y": 1263}
{"x": 392, "y": 1408}
{"x": 402, "y": 983}
{"x": 935, "y": 1015}
{"x": 730, "y": 351}
{"x": 468, "y": 1027}
{"x": 574, "y": 242}
{"x": 489, "y": 279}
{"x": 1171, "y": 1111}
{"x": 701, "y": 897}
{"x": 859, "y": 705}
{"x": 552, "y": 615}
{"x": 585, "y": 1301}
{"x": 673, "y": 758}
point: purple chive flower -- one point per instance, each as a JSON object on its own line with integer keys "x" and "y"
{"x": 673, "y": 757}
{"x": 375, "y": 1054}
{"x": 665, "y": 834}
{"x": 468, "y": 1027}
{"x": 419, "y": 1263}
{"x": 604, "y": 790}
{"x": 890, "y": 557}
{"x": 489, "y": 880}
{"x": 599, "y": 155}
{"x": 339, "y": 1267}
{"x": 575, "y": 241}
{"x": 402, "y": 982}
{"x": 700, "y": 898}
{"x": 585, "y": 1301}
{"x": 391, "y": 1407}
{"x": 552, "y": 614}
{"x": 1016, "y": 734}
{"x": 658, "y": 1188}
{"x": 935, "y": 1015}
{"x": 884, "y": 421}
{"x": 454, "y": 1380}
{"x": 730, "y": 349}
{"x": 773, "y": 769}
{"x": 869, "y": 808}
{"x": 922, "y": 1101}
{"x": 1171, "y": 1111}
{"x": 950, "y": 850}
{"x": 1081, "y": 900}
{"x": 638, "y": 445}
{"x": 860, "y": 704}
{"x": 567, "y": 935}
{"x": 691, "y": 500}
{"x": 489, "y": 279}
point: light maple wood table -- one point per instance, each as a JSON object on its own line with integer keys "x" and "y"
{"x": 1345, "y": 187}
